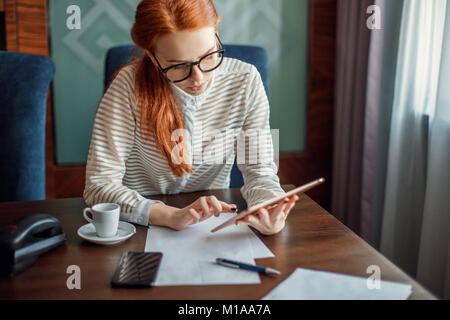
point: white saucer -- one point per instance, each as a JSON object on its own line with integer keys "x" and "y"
{"x": 126, "y": 230}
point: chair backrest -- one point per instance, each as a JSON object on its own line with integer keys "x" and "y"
{"x": 257, "y": 56}
{"x": 24, "y": 83}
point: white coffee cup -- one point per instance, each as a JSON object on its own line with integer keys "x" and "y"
{"x": 105, "y": 218}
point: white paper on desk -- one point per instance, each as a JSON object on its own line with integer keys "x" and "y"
{"x": 189, "y": 255}
{"x": 304, "y": 284}
{"x": 260, "y": 250}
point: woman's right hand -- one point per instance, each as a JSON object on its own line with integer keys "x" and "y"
{"x": 201, "y": 209}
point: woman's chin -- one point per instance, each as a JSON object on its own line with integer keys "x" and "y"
{"x": 193, "y": 93}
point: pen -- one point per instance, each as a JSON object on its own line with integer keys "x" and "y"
{"x": 246, "y": 266}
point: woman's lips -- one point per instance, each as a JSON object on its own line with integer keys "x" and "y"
{"x": 197, "y": 88}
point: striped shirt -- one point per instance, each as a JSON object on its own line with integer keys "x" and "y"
{"x": 126, "y": 168}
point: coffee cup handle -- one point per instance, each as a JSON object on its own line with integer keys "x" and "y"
{"x": 85, "y": 215}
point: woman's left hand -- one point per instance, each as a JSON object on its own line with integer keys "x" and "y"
{"x": 270, "y": 221}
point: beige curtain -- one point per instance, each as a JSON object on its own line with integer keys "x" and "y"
{"x": 416, "y": 215}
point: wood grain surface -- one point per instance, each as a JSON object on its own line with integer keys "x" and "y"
{"x": 312, "y": 239}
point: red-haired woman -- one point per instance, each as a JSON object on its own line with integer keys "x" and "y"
{"x": 182, "y": 82}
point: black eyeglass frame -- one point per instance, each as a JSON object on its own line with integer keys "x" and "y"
{"x": 191, "y": 64}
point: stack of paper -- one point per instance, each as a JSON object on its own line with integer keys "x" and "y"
{"x": 189, "y": 255}
{"x": 304, "y": 284}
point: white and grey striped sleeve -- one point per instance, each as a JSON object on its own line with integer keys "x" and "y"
{"x": 259, "y": 171}
{"x": 111, "y": 142}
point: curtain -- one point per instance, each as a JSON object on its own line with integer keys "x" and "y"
{"x": 418, "y": 185}
{"x": 352, "y": 47}
{"x": 416, "y": 87}
{"x": 416, "y": 216}
{"x": 391, "y": 166}
{"x": 365, "y": 60}
{"x": 380, "y": 96}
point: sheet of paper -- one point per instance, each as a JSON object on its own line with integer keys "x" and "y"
{"x": 189, "y": 255}
{"x": 260, "y": 250}
{"x": 304, "y": 284}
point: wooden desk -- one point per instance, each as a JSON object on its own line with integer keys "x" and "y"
{"x": 312, "y": 239}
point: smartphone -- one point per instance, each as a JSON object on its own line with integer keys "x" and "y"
{"x": 136, "y": 269}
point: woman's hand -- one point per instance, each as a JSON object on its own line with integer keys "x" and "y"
{"x": 270, "y": 221}
{"x": 201, "y": 209}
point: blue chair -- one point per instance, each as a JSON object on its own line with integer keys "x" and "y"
{"x": 24, "y": 83}
{"x": 121, "y": 55}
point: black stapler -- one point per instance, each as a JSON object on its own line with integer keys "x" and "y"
{"x": 23, "y": 240}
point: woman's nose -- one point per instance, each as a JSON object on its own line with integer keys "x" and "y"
{"x": 197, "y": 75}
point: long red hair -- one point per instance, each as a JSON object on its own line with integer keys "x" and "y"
{"x": 159, "y": 113}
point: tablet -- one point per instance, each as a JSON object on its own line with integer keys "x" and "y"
{"x": 272, "y": 201}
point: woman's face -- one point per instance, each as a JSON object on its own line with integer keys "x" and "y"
{"x": 187, "y": 46}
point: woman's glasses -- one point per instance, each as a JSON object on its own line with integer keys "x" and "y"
{"x": 182, "y": 71}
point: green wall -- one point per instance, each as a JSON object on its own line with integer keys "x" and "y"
{"x": 280, "y": 26}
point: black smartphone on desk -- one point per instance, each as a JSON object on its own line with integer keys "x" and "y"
{"x": 137, "y": 269}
